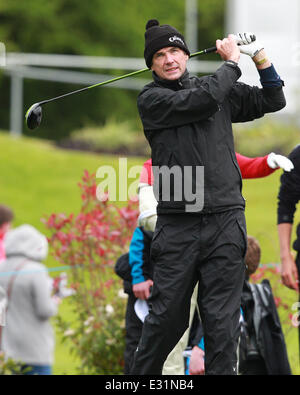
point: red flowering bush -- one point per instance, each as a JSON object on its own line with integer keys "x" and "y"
{"x": 90, "y": 242}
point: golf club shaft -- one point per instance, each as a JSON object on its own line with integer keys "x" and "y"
{"x": 204, "y": 51}
{"x": 134, "y": 73}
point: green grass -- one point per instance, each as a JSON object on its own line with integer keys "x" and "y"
{"x": 37, "y": 179}
{"x": 261, "y": 213}
{"x": 65, "y": 362}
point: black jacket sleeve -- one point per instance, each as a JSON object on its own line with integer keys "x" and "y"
{"x": 161, "y": 108}
{"x": 289, "y": 192}
{"x": 250, "y": 102}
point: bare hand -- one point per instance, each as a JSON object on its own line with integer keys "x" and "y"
{"x": 196, "y": 366}
{"x": 289, "y": 273}
{"x": 228, "y": 49}
{"x": 142, "y": 290}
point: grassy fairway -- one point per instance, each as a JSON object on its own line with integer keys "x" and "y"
{"x": 261, "y": 213}
{"x": 37, "y": 179}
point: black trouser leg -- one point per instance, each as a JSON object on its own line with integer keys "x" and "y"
{"x": 219, "y": 305}
{"x": 186, "y": 248}
{"x": 221, "y": 277}
{"x": 134, "y": 328}
{"x": 174, "y": 253}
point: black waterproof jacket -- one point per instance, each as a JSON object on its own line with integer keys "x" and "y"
{"x": 289, "y": 193}
{"x": 188, "y": 123}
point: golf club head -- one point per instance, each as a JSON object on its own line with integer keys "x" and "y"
{"x": 33, "y": 116}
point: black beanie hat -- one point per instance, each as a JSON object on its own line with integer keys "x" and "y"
{"x": 161, "y": 36}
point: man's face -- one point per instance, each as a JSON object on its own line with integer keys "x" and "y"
{"x": 169, "y": 63}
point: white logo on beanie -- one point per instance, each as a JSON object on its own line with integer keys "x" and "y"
{"x": 176, "y": 38}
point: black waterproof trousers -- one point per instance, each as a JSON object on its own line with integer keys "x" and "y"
{"x": 133, "y": 333}
{"x": 189, "y": 248}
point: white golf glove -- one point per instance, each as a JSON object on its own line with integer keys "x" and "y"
{"x": 281, "y": 161}
{"x": 248, "y": 44}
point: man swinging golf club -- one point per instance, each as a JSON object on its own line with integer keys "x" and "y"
{"x": 188, "y": 123}
{"x": 33, "y": 116}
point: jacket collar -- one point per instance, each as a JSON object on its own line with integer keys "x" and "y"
{"x": 182, "y": 83}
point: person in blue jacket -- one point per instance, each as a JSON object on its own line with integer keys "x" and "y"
{"x": 137, "y": 272}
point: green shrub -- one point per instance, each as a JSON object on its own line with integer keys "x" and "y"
{"x": 113, "y": 137}
{"x": 265, "y": 137}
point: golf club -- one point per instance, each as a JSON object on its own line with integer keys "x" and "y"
{"x": 33, "y": 115}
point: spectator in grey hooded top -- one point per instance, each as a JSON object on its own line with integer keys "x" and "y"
{"x": 3, "y": 301}
{"x": 28, "y": 336}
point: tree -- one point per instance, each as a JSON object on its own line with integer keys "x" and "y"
{"x": 95, "y": 27}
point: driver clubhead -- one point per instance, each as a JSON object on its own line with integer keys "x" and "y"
{"x": 33, "y": 116}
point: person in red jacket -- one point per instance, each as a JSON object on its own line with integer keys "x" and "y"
{"x": 250, "y": 168}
